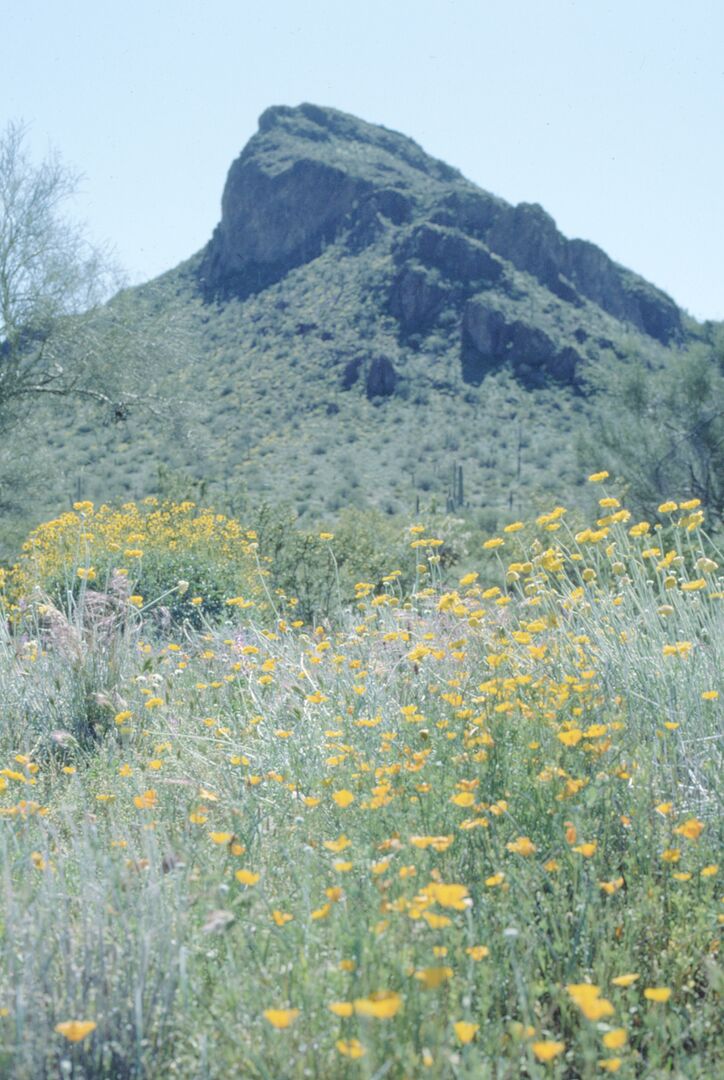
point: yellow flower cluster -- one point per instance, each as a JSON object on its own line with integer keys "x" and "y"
{"x": 138, "y": 541}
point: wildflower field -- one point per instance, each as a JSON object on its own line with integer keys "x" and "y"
{"x": 457, "y": 825}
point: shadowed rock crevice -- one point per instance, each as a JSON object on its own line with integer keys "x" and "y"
{"x": 380, "y": 380}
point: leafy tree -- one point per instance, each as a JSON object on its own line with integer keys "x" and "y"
{"x": 663, "y": 428}
{"x": 57, "y": 337}
{"x": 48, "y": 273}
{"x": 61, "y": 341}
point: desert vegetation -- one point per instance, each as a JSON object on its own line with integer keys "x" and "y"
{"x": 398, "y": 803}
{"x": 349, "y": 725}
{"x": 428, "y": 349}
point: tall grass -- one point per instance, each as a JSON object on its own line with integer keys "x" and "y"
{"x": 467, "y": 830}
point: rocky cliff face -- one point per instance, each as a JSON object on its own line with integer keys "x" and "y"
{"x": 449, "y": 253}
{"x": 306, "y": 176}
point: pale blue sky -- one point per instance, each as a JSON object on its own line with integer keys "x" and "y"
{"x": 610, "y": 113}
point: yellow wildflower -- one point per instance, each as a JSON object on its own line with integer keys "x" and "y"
{"x": 351, "y": 1048}
{"x": 691, "y": 829}
{"x": 625, "y": 980}
{"x": 341, "y": 1008}
{"x": 76, "y": 1030}
{"x": 281, "y": 1018}
{"x": 382, "y": 1005}
{"x": 547, "y": 1049}
{"x": 433, "y": 977}
{"x": 465, "y": 1031}
{"x": 521, "y": 846}
{"x": 247, "y": 877}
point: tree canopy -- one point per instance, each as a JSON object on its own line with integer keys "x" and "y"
{"x": 58, "y": 336}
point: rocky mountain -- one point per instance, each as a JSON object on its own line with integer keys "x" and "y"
{"x": 313, "y": 177}
{"x": 366, "y": 326}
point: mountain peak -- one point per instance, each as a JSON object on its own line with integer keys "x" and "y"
{"x": 313, "y": 176}
{"x": 318, "y": 124}
{"x": 298, "y": 181}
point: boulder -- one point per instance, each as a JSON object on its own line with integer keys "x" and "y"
{"x": 381, "y": 378}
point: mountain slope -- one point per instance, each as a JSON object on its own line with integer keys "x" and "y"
{"x": 363, "y": 323}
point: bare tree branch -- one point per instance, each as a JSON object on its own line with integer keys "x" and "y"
{"x": 57, "y": 336}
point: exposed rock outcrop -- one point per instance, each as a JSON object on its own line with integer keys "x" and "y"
{"x": 438, "y": 267}
{"x": 527, "y": 236}
{"x": 490, "y": 339}
{"x": 307, "y": 175}
{"x": 417, "y": 297}
{"x": 272, "y": 222}
{"x": 444, "y": 250}
{"x": 458, "y": 257}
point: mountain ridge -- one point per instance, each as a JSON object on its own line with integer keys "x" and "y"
{"x": 312, "y": 175}
{"x": 364, "y": 327}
